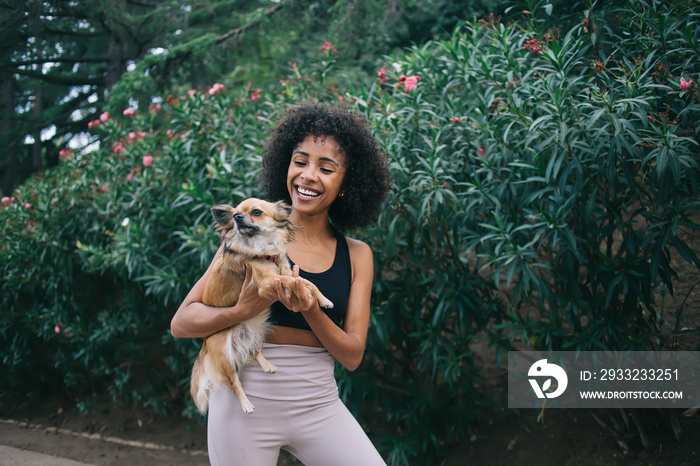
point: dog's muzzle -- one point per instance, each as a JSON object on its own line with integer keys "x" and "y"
{"x": 242, "y": 224}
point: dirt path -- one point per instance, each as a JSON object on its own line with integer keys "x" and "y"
{"x": 96, "y": 449}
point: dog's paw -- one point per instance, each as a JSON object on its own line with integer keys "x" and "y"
{"x": 270, "y": 368}
{"x": 325, "y": 302}
{"x": 247, "y": 406}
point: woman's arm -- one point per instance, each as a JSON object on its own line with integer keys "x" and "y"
{"x": 346, "y": 345}
{"x": 194, "y": 319}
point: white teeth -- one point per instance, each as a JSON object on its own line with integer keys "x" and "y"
{"x": 307, "y": 193}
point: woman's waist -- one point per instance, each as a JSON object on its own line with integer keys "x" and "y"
{"x": 303, "y": 372}
{"x": 293, "y": 336}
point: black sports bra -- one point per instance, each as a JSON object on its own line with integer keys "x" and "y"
{"x": 334, "y": 283}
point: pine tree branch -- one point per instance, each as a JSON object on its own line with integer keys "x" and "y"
{"x": 60, "y": 32}
{"x": 63, "y": 80}
{"x": 143, "y": 4}
{"x": 62, "y": 60}
{"x": 240, "y": 30}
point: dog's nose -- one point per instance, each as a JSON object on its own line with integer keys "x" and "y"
{"x": 238, "y": 217}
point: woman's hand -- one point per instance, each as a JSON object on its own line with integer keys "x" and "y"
{"x": 302, "y": 301}
{"x": 194, "y": 319}
{"x": 249, "y": 301}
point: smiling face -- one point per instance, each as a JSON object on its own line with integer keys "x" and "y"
{"x": 315, "y": 175}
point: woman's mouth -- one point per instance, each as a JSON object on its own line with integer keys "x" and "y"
{"x": 307, "y": 193}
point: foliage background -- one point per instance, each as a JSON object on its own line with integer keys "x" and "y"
{"x": 544, "y": 165}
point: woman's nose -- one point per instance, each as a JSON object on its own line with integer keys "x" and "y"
{"x": 309, "y": 173}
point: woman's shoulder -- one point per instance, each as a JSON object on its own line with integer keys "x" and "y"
{"x": 359, "y": 250}
{"x": 360, "y": 259}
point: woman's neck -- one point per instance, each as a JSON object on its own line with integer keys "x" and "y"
{"x": 311, "y": 229}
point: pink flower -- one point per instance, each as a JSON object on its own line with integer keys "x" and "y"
{"x": 104, "y": 117}
{"x": 118, "y": 148}
{"x": 147, "y": 160}
{"x": 533, "y": 45}
{"x": 129, "y": 112}
{"x": 481, "y": 150}
{"x": 256, "y": 94}
{"x": 57, "y": 329}
{"x": 132, "y": 136}
{"x": 130, "y": 176}
{"x": 103, "y": 189}
{"x": 169, "y": 133}
{"x": 94, "y": 123}
{"x": 7, "y": 200}
{"x": 685, "y": 84}
{"x": 65, "y": 153}
{"x": 191, "y": 92}
{"x": 382, "y": 75}
{"x": 27, "y": 205}
{"x": 410, "y": 83}
{"x": 216, "y": 88}
{"x": 327, "y": 47}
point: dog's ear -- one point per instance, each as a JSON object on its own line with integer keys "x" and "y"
{"x": 283, "y": 208}
{"x": 282, "y": 211}
{"x": 223, "y": 214}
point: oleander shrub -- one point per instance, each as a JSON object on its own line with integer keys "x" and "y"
{"x": 543, "y": 165}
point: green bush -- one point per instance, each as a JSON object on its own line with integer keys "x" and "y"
{"x": 542, "y": 168}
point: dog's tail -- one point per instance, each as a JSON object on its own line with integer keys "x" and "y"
{"x": 200, "y": 386}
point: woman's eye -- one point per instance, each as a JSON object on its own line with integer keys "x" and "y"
{"x": 256, "y": 213}
{"x": 326, "y": 171}
{"x": 299, "y": 163}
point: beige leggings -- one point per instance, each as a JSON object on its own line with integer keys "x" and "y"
{"x": 296, "y": 409}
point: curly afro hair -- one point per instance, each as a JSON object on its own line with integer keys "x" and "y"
{"x": 367, "y": 177}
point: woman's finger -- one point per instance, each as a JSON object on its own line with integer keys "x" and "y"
{"x": 303, "y": 294}
{"x": 283, "y": 295}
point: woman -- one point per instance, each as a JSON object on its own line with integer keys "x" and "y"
{"x": 325, "y": 163}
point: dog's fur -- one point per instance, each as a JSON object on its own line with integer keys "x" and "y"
{"x": 256, "y": 233}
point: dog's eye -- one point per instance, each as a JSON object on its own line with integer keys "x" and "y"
{"x": 256, "y": 213}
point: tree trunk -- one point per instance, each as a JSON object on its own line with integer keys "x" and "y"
{"x": 115, "y": 52}
{"x": 9, "y": 160}
{"x": 37, "y": 155}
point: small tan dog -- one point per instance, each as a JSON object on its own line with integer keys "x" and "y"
{"x": 256, "y": 233}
